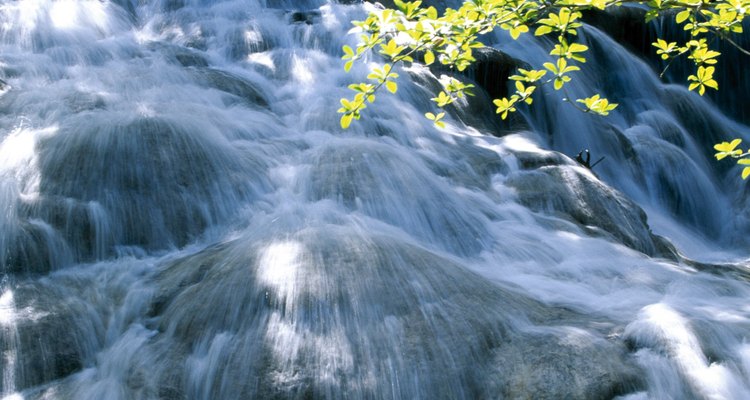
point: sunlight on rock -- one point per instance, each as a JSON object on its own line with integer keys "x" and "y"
{"x": 262, "y": 58}
{"x": 64, "y": 14}
{"x": 278, "y": 268}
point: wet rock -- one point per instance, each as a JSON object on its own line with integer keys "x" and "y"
{"x": 172, "y": 5}
{"x": 562, "y": 369}
{"x": 335, "y": 311}
{"x": 468, "y": 165}
{"x": 129, "y": 7}
{"x": 177, "y": 188}
{"x": 239, "y": 45}
{"x": 371, "y": 179}
{"x": 579, "y": 197}
{"x": 82, "y": 101}
{"x": 233, "y": 85}
{"x": 191, "y": 60}
{"x": 530, "y": 160}
{"x": 49, "y": 337}
{"x": 304, "y": 17}
{"x": 492, "y": 70}
{"x": 33, "y": 248}
{"x": 185, "y": 56}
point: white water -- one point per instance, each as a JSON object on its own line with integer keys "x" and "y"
{"x": 182, "y": 217}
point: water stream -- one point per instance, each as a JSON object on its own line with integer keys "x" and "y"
{"x": 183, "y": 218}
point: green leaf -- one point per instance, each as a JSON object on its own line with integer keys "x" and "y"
{"x": 348, "y": 52}
{"x": 436, "y": 119}
{"x": 348, "y": 66}
{"x": 516, "y": 31}
{"x": 598, "y": 105}
{"x": 391, "y": 86}
{"x": 429, "y": 57}
{"x": 504, "y": 106}
{"x": 702, "y": 79}
{"x": 558, "y": 83}
{"x": 431, "y": 13}
{"x": 346, "y": 120}
{"x": 529, "y": 76}
{"x": 346, "y": 105}
{"x": 443, "y": 99}
{"x": 542, "y": 30}
{"x": 728, "y": 149}
{"x": 391, "y": 49}
{"x": 682, "y": 16}
{"x": 746, "y": 170}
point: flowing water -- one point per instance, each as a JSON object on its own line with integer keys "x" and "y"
{"x": 183, "y": 218}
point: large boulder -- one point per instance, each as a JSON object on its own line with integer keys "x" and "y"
{"x": 371, "y": 179}
{"x": 339, "y": 313}
{"x": 46, "y": 335}
{"x": 575, "y": 194}
{"x": 109, "y": 182}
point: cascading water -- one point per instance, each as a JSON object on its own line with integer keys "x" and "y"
{"x": 182, "y": 218}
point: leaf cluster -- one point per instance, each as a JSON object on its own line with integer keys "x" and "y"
{"x": 400, "y": 35}
{"x": 729, "y": 149}
{"x": 411, "y": 30}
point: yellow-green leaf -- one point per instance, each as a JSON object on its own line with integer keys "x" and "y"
{"x": 346, "y": 120}
{"x": 520, "y": 87}
{"x": 429, "y": 57}
{"x": 728, "y": 149}
{"x": 348, "y": 52}
{"x": 682, "y": 16}
{"x": 391, "y": 86}
{"x": 542, "y": 30}
{"x": 558, "y": 83}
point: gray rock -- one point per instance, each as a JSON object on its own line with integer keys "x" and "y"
{"x": 93, "y": 193}
{"x": 233, "y": 85}
{"x": 358, "y": 316}
{"x": 371, "y": 179}
{"x": 52, "y": 335}
{"x": 568, "y": 192}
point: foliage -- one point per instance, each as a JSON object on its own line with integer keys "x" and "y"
{"x": 411, "y": 31}
{"x": 399, "y": 35}
{"x": 729, "y": 149}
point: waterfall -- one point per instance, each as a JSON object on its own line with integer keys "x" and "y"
{"x": 183, "y": 218}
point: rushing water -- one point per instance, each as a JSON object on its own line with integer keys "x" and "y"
{"x": 183, "y": 218}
